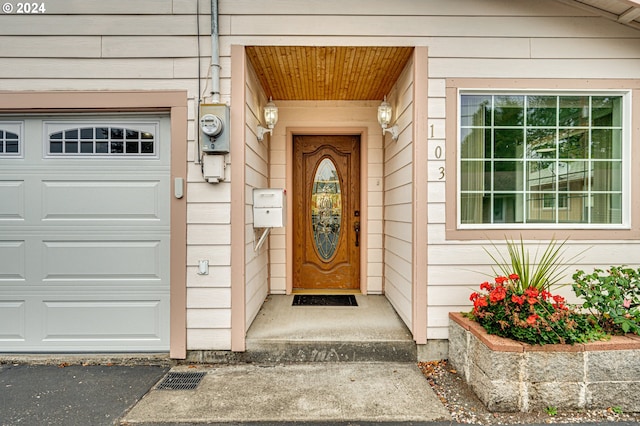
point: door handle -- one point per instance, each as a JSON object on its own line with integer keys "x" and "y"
{"x": 356, "y": 227}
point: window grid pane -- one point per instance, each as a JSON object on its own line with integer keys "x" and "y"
{"x": 104, "y": 140}
{"x": 548, "y": 159}
{"x": 9, "y": 143}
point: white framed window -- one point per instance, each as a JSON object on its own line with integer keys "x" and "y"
{"x": 549, "y": 201}
{"x": 105, "y": 139}
{"x": 11, "y": 135}
{"x": 544, "y": 158}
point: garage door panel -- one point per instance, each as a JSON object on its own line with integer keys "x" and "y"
{"x": 12, "y": 261}
{"x": 85, "y": 235}
{"x": 102, "y": 200}
{"x": 12, "y": 194}
{"x": 12, "y": 320}
{"x": 102, "y": 260}
{"x": 102, "y": 320}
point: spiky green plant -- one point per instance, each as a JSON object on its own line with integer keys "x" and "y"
{"x": 541, "y": 274}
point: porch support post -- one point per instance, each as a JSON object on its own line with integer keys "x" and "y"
{"x": 238, "y": 308}
{"x": 420, "y": 196}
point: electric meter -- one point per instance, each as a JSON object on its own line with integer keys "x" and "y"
{"x": 211, "y": 125}
{"x": 214, "y": 128}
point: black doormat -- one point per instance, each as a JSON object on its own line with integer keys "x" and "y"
{"x": 324, "y": 300}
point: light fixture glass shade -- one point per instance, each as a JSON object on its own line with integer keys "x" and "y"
{"x": 384, "y": 113}
{"x": 270, "y": 114}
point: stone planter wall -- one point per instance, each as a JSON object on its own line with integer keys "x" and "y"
{"x": 512, "y": 376}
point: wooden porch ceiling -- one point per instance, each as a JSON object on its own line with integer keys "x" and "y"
{"x": 328, "y": 72}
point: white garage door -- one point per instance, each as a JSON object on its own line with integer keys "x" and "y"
{"x": 84, "y": 233}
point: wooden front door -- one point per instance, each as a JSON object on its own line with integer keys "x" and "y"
{"x": 326, "y": 216}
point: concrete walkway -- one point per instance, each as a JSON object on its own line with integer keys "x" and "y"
{"x": 346, "y": 394}
{"x": 314, "y": 392}
{"x": 280, "y": 382}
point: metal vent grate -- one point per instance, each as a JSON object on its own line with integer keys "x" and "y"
{"x": 181, "y": 381}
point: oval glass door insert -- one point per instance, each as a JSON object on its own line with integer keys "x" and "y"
{"x": 326, "y": 209}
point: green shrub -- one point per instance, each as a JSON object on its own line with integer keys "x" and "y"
{"x": 612, "y": 297}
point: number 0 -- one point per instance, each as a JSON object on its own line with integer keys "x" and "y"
{"x": 438, "y": 151}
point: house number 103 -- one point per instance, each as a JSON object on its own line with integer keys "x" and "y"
{"x": 438, "y": 155}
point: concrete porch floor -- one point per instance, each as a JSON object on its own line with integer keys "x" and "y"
{"x": 371, "y": 331}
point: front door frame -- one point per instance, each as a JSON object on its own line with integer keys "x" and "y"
{"x": 364, "y": 214}
{"x": 343, "y": 272}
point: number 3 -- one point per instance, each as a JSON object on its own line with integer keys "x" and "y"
{"x": 441, "y": 170}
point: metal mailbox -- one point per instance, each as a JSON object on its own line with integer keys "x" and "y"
{"x": 269, "y": 207}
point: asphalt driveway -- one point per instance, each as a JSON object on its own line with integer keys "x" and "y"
{"x": 72, "y": 395}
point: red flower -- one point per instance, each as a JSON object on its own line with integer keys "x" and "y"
{"x": 501, "y": 280}
{"x": 498, "y": 294}
{"x": 518, "y": 299}
{"x": 532, "y": 295}
{"x": 486, "y": 286}
{"x": 532, "y": 319}
{"x": 559, "y": 302}
{"x": 480, "y": 302}
{"x": 514, "y": 277}
{"x": 545, "y": 295}
{"x": 474, "y": 296}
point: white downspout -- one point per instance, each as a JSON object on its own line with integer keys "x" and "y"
{"x": 215, "y": 53}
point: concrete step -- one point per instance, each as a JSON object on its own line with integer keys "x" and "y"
{"x": 262, "y": 351}
{"x": 282, "y": 333}
{"x": 286, "y": 352}
{"x": 369, "y": 332}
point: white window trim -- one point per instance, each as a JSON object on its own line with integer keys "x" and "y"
{"x": 626, "y": 158}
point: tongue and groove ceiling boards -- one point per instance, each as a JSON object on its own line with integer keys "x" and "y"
{"x": 328, "y": 72}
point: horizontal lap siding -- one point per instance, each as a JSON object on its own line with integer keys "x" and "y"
{"x": 426, "y": 26}
{"x": 398, "y": 198}
{"x": 102, "y": 25}
{"x": 256, "y": 176}
{"x": 208, "y": 237}
{"x": 381, "y": 8}
{"x": 83, "y": 7}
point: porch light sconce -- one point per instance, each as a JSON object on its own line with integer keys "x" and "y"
{"x": 270, "y": 119}
{"x": 385, "y": 112}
